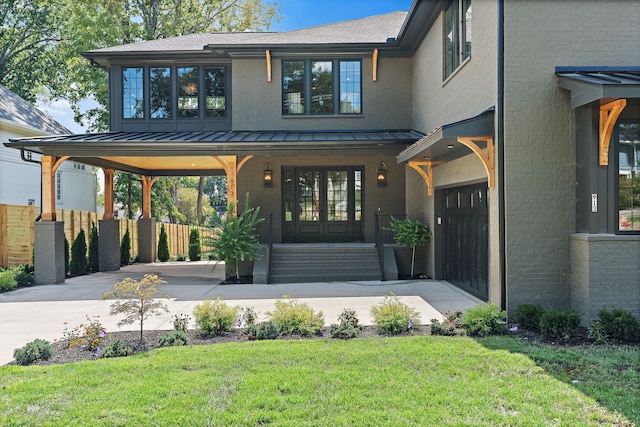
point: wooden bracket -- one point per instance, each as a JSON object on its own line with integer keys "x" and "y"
{"x": 108, "y": 193}
{"x": 609, "y": 114}
{"x": 268, "y": 55}
{"x": 427, "y": 175}
{"x": 375, "y": 65}
{"x": 486, "y": 158}
{"x": 231, "y": 168}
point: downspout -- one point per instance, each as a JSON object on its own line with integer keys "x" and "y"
{"x": 25, "y": 159}
{"x": 500, "y": 157}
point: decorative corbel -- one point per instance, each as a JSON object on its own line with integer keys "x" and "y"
{"x": 427, "y": 175}
{"x": 375, "y": 64}
{"x": 609, "y": 114}
{"x": 268, "y": 55}
{"x": 486, "y": 158}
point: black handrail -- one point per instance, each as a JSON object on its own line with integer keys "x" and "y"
{"x": 269, "y": 246}
{"x": 380, "y": 247}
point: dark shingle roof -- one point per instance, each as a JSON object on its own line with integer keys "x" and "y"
{"x": 21, "y": 113}
{"x": 373, "y": 29}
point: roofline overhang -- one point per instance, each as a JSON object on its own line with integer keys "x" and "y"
{"x": 441, "y": 145}
{"x": 589, "y": 84}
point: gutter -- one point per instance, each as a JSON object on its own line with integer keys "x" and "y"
{"x": 500, "y": 158}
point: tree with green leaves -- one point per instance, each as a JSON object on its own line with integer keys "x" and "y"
{"x": 195, "y": 250}
{"x": 237, "y": 239}
{"x": 93, "y": 249}
{"x": 410, "y": 233}
{"x": 125, "y": 249}
{"x": 78, "y": 264}
{"x": 137, "y": 300}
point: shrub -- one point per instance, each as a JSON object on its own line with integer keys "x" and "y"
{"x": 619, "y": 324}
{"x": 348, "y": 326}
{"x": 125, "y": 248}
{"x": 35, "y": 350}
{"x": 93, "y": 249}
{"x": 214, "y": 317}
{"x": 392, "y": 316}
{"x": 163, "y": 245}
{"x": 67, "y": 258}
{"x": 294, "y": 317}
{"x": 116, "y": 348}
{"x": 8, "y": 280}
{"x": 181, "y": 257}
{"x": 181, "y": 322}
{"x": 450, "y": 326}
{"x": 266, "y": 331}
{"x": 484, "y": 319}
{"x": 410, "y": 233}
{"x": 174, "y": 338}
{"x": 528, "y": 316}
{"x": 89, "y": 335}
{"x": 596, "y": 332}
{"x": 248, "y": 317}
{"x": 559, "y": 324}
{"x": 194, "y": 245}
{"x": 78, "y": 265}
{"x": 136, "y": 300}
{"x": 25, "y": 276}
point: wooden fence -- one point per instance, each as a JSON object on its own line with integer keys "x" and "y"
{"x": 17, "y": 232}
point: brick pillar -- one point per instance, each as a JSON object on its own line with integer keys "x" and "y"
{"x": 109, "y": 245}
{"x": 147, "y": 246}
{"x": 49, "y": 252}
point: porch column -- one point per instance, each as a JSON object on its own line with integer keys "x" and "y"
{"x": 231, "y": 168}
{"x": 108, "y": 245}
{"x": 147, "y": 247}
{"x": 108, "y": 193}
{"x": 147, "y": 182}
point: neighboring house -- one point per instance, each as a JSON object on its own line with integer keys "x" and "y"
{"x": 20, "y": 183}
{"x": 506, "y": 125}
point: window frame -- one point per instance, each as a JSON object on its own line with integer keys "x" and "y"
{"x": 634, "y": 173}
{"x": 457, "y": 25}
{"x": 306, "y": 109}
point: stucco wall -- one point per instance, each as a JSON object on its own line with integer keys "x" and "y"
{"x": 539, "y": 139}
{"x": 390, "y": 199}
{"x": 257, "y": 104}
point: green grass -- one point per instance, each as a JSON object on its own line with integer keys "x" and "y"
{"x": 399, "y": 381}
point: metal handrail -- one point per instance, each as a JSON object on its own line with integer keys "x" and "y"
{"x": 269, "y": 247}
{"x": 380, "y": 246}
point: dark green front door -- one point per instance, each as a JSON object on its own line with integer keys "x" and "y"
{"x": 322, "y": 204}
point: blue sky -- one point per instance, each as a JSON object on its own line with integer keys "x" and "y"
{"x": 305, "y": 13}
{"x": 295, "y": 14}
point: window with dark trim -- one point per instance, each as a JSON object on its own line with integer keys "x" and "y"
{"x": 184, "y": 92}
{"x": 332, "y": 86}
{"x": 457, "y": 35}
{"x": 628, "y": 143}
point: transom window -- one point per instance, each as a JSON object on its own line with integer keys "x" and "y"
{"x": 185, "y": 92}
{"x": 457, "y": 35}
{"x": 321, "y": 87}
{"x": 628, "y": 138}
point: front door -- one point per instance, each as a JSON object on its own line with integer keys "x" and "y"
{"x": 322, "y": 204}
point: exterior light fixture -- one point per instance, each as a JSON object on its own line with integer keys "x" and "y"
{"x": 450, "y": 147}
{"x": 382, "y": 174}
{"x": 268, "y": 176}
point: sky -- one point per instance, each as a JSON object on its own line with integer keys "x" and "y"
{"x": 295, "y": 14}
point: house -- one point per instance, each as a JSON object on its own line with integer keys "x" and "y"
{"x": 501, "y": 123}
{"x": 75, "y": 183}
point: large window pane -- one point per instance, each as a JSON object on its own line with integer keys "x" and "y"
{"x": 337, "y": 196}
{"x": 629, "y": 177}
{"x": 215, "y": 91}
{"x": 132, "y": 93}
{"x": 358, "y": 195}
{"x": 188, "y": 92}
{"x": 350, "y": 87}
{"x": 160, "y": 93}
{"x": 309, "y": 196}
{"x": 467, "y": 31}
{"x": 457, "y": 35}
{"x": 321, "y": 87}
{"x": 293, "y": 87}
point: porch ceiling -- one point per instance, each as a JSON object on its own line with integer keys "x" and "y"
{"x": 193, "y": 153}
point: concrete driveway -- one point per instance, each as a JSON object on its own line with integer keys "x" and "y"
{"x": 41, "y": 311}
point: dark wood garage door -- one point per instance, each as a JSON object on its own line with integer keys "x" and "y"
{"x": 466, "y": 244}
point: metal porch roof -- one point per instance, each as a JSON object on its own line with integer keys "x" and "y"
{"x": 589, "y": 84}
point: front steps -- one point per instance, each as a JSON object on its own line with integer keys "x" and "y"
{"x": 323, "y": 262}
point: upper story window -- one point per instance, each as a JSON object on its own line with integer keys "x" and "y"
{"x": 628, "y": 143}
{"x": 185, "y": 92}
{"x": 321, "y": 87}
{"x": 457, "y": 35}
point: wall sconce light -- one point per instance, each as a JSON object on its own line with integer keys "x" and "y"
{"x": 382, "y": 174}
{"x": 268, "y": 176}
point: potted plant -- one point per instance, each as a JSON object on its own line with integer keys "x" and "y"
{"x": 410, "y": 233}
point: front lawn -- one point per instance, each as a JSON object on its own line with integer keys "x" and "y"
{"x": 395, "y": 381}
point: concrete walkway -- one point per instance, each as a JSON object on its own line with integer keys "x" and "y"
{"x": 41, "y": 311}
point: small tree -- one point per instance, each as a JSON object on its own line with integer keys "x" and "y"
{"x": 125, "y": 249}
{"x": 163, "y": 245}
{"x": 136, "y": 300}
{"x": 237, "y": 240}
{"x": 410, "y": 233}
{"x": 194, "y": 245}
{"x": 93, "y": 248}
{"x": 78, "y": 264}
